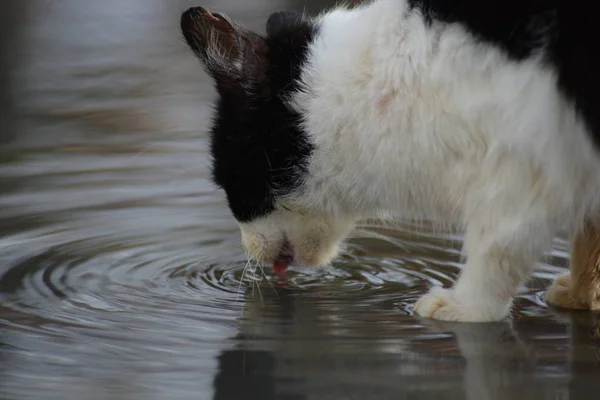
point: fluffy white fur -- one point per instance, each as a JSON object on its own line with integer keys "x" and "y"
{"x": 418, "y": 121}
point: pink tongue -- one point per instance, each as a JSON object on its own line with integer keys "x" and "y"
{"x": 280, "y": 266}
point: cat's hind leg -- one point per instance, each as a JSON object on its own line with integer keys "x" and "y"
{"x": 580, "y": 287}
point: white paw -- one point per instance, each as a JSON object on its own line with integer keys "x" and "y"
{"x": 442, "y": 304}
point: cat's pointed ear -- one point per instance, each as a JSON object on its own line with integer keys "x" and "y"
{"x": 282, "y": 20}
{"x": 232, "y": 54}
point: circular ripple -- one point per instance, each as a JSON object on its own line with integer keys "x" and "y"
{"x": 178, "y": 306}
{"x": 93, "y": 282}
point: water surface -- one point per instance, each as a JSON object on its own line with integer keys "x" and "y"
{"x": 121, "y": 270}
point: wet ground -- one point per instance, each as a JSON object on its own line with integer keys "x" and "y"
{"x": 121, "y": 270}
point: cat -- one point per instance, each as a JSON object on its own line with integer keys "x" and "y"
{"x": 478, "y": 113}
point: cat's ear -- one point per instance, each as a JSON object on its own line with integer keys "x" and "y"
{"x": 282, "y": 20}
{"x": 233, "y": 55}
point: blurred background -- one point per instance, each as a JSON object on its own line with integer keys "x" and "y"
{"x": 121, "y": 271}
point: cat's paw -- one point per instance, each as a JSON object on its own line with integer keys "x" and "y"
{"x": 560, "y": 294}
{"x": 439, "y": 304}
{"x": 442, "y": 304}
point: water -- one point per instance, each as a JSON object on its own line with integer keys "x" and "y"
{"x": 121, "y": 270}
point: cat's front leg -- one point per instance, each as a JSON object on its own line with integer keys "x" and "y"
{"x": 483, "y": 292}
{"x": 501, "y": 252}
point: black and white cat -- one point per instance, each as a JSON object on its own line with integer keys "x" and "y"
{"x": 481, "y": 113}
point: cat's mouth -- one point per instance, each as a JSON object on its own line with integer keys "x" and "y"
{"x": 284, "y": 259}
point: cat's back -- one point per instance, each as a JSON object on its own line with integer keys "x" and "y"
{"x": 575, "y": 53}
{"x": 564, "y": 34}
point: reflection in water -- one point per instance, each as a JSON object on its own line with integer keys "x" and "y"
{"x": 339, "y": 352}
{"x": 121, "y": 271}
{"x": 247, "y": 374}
{"x": 10, "y": 11}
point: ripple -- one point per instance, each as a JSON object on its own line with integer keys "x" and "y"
{"x": 85, "y": 281}
{"x": 71, "y": 281}
{"x": 153, "y": 301}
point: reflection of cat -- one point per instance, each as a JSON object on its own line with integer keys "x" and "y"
{"x": 478, "y": 113}
{"x": 583, "y": 362}
{"x": 10, "y": 25}
{"x": 500, "y": 365}
{"x": 304, "y": 346}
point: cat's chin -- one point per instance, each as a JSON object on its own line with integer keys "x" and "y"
{"x": 297, "y": 256}
{"x": 285, "y": 238}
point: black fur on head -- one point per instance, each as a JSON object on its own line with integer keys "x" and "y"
{"x": 258, "y": 149}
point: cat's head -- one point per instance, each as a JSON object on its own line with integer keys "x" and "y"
{"x": 260, "y": 154}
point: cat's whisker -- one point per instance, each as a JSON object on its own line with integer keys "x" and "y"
{"x": 242, "y": 280}
{"x": 268, "y": 280}
{"x": 258, "y": 285}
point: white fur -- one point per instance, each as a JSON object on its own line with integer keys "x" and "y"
{"x": 315, "y": 237}
{"x": 419, "y": 121}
